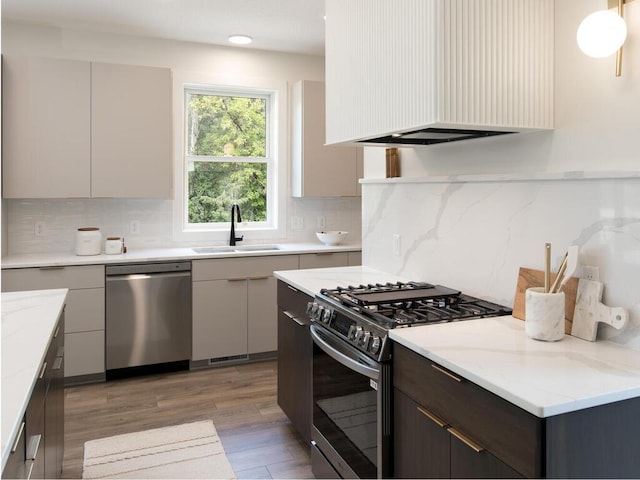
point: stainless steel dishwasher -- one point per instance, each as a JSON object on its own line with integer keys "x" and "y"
{"x": 148, "y": 318}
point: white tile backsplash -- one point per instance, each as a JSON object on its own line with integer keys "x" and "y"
{"x": 113, "y": 217}
{"x": 474, "y": 235}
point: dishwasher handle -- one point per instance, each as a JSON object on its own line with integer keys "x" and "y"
{"x": 147, "y": 268}
{"x": 145, "y": 276}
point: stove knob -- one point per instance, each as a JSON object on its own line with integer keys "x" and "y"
{"x": 374, "y": 346}
{"x": 358, "y": 334}
{"x": 352, "y": 332}
{"x": 327, "y": 315}
{"x": 310, "y": 306}
{"x": 364, "y": 340}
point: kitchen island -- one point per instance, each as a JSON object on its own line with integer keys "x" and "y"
{"x": 29, "y": 327}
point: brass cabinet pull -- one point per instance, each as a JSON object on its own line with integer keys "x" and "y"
{"x": 434, "y": 418}
{"x": 55, "y": 335}
{"x": 15, "y": 444}
{"x": 324, "y": 254}
{"x": 291, "y": 288}
{"x": 32, "y": 448}
{"x": 293, "y": 317}
{"x": 447, "y": 373}
{"x": 236, "y": 279}
{"x": 52, "y": 267}
{"x": 57, "y": 364}
{"x": 42, "y": 370}
{"x": 466, "y": 440}
{"x": 266, "y": 277}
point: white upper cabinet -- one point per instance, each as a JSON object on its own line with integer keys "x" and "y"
{"x": 46, "y": 125}
{"x": 76, "y": 129}
{"x": 318, "y": 170}
{"x": 131, "y": 134}
{"x": 407, "y": 65}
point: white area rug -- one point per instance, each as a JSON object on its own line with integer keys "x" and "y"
{"x": 191, "y": 450}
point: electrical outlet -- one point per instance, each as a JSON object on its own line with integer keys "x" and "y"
{"x": 297, "y": 223}
{"x": 320, "y": 223}
{"x": 396, "y": 245}
{"x": 40, "y": 229}
{"x": 134, "y": 227}
{"x": 590, "y": 272}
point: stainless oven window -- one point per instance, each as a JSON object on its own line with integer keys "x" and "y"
{"x": 345, "y": 408}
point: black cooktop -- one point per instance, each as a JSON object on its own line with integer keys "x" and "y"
{"x": 399, "y": 304}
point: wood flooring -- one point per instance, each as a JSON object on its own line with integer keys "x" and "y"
{"x": 241, "y": 400}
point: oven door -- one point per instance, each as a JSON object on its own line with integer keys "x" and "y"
{"x": 348, "y": 407}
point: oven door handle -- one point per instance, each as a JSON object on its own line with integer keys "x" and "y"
{"x": 343, "y": 355}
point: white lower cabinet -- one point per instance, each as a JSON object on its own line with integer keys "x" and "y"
{"x": 84, "y": 314}
{"x": 235, "y": 305}
{"x": 324, "y": 260}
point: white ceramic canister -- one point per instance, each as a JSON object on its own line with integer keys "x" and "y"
{"x": 113, "y": 245}
{"x": 88, "y": 241}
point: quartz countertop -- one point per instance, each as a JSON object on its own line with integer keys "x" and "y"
{"x": 28, "y": 322}
{"x": 311, "y": 280}
{"x": 543, "y": 378}
{"x": 163, "y": 254}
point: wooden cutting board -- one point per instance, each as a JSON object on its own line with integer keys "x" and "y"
{"x": 528, "y": 277}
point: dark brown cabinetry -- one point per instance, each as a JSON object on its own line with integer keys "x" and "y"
{"x": 38, "y": 448}
{"x": 295, "y": 353}
{"x": 448, "y": 427}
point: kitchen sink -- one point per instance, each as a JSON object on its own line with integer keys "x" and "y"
{"x": 256, "y": 248}
{"x": 239, "y": 248}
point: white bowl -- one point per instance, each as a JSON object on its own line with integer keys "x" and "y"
{"x": 331, "y": 238}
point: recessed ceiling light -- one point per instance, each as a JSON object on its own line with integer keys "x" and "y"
{"x": 240, "y": 39}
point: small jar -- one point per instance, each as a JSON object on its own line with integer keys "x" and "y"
{"x": 113, "y": 245}
{"x": 88, "y": 241}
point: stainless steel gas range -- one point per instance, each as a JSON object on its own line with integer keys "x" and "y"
{"x": 352, "y": 385}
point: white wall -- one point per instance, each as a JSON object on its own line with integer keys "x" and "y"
{"x": 484, "y": 208}
{"x": 597, "y": 116}
{"x": 155, "y": 216}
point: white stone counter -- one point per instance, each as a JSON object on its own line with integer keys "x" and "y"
{"x": 28, "y": 322}
{"x": 312, "y": 280}
{"x": 543, "y": 378}
{"x": 163, "y": 254}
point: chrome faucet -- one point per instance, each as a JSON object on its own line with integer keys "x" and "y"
{"x": 235, "y": 208}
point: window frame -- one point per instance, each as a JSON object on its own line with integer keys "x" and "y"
{"x": 276, "y": 153}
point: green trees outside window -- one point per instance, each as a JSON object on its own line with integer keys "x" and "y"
{"x": 227, "y": 154}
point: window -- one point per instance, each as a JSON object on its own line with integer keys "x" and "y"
{"x": 229, "y": 158}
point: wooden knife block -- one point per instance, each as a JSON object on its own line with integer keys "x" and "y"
{"x": 527, "y": 278}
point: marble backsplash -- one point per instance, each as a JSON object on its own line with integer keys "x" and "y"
{"x": 113, "y": 216}
{"x": 473, "y": 233}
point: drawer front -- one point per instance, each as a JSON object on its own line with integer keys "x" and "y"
{"x": 507, "y": 431}
{"x": 89, "y": 276}
{"x": 241, "y": 267}
{"x": 293, "y": 301}
{"x": 85, "y": 310}
{"x": 324, "y": 260}
{"x": 83, "y": 353}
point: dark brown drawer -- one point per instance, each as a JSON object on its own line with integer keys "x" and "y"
{"x": 293, "y": 301}
{"x": 508, "y": 432}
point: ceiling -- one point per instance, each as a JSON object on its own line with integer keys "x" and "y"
{"x": 294, "y": 26}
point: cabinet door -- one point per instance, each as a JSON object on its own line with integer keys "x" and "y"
{"x": 318, "y": 170}
{"x": 262, "y": 315}
{"x": 421, "y": 445}
{"x": 323, "y": 260}
{"x": 46, "y": 107}
{"x": 219, "y": 319}
{"x": 131, "y": 135}
{"x": 84, "y": 353}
